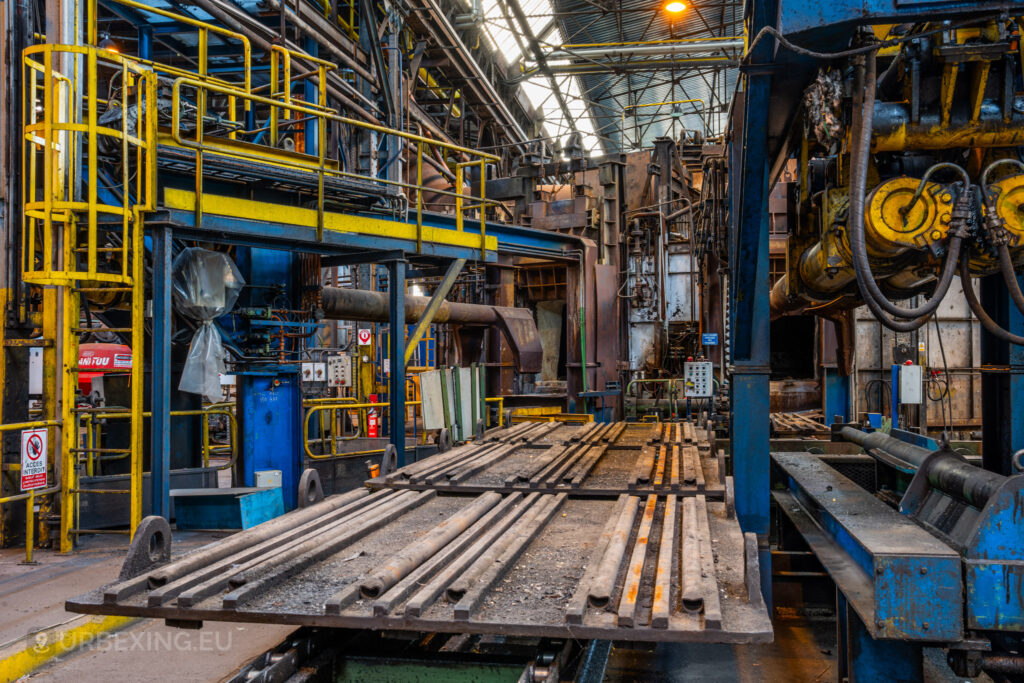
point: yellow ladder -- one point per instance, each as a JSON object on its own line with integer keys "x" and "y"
{"x": 78, "y": 244}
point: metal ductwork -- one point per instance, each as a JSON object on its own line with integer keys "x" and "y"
{"x": 643, "y": 50}
{"x": 517, "y": 324}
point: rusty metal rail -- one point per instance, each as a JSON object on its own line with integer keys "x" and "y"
{"x": 640, "y": 567}
{"x": 600, "y": 459}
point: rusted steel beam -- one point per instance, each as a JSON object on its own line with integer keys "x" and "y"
{"x": 245, "y": 539}
{"x": 457, "y": 589}
{"x": 601, "y": 589}
{"x": 404, "y": 588}
{"x": 208, "y": 580}
{"x": 471, "y": 599}
{"x": 692, "y": 593}
{"x": 661, "y": 605}
{"x": 712, "y": 602}
{"x": 396, "y": 568}
{"x": 426, "y": 596}
{"x": 698, "y": 468}
{"x": 577, "y": 606}
{"x": 626, "y": 614}
{"x": 674, "y": 473}
{"x": 689, "y": 435}
{"x": 644, "y": 464}
{"x": 542, "y": 461}
{"x": 690, "y": 465}
{"x": 659, "y": 470}
{"x": 199, "y": 569}
{"x": 301, "y": 557}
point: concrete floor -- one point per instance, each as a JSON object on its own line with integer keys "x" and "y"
{"x": 32, "y": 598}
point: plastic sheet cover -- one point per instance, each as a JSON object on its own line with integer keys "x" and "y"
{"x": 206, "y": 285}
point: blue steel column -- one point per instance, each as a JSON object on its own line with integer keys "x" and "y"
{"x": 160, "y": 401}
{"x": 396, "y": 356}
{"x": 311, "y": 93}
{"x": 1002, "y": 380}
{"x": 750, "y": 312}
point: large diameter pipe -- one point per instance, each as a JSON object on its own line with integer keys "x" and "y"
{"x": 947, "y": 472}
{"x": 893, "y": 129}
{"x": 910, "y": 454}
{"x": 340, "y": 303}
{"x": 657, "y": 49}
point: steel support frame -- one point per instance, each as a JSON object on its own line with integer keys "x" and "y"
{"x": 1002, "y": 380}
{"x": 160, "y": 452}
{"x": 396, "y": 354}
{"x": 749, "y": 295}
{"x": 438, "y": 297}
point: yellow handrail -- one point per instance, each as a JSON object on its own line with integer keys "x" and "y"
{"x": 90, "y": 415}
{"x": 203, "y": 143}
{"x": 333, "y": 405}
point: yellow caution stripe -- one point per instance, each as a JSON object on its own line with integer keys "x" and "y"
{"x": 27, "y": 654}
{"x": 220, "y": 205}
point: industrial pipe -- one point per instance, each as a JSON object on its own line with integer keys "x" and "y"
{"x": 340, "y": 303}
{"x": 599, "y": 52}
{"x": 947, "y": 472}
{"x": 516, "y": 324}
{"x": 895, "y": 131}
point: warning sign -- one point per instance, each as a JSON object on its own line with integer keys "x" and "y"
{"x": 33, "y": 459}
{"x": 363, "y": 337}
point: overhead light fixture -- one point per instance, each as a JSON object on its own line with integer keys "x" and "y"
{"x": 675, "y": 7}
{"x": 107, "y": 43}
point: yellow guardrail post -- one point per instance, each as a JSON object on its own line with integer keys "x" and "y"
{"x": 483, "y": 209}
{"x": 419, "y": 197}
{"x": 30, "y": 515}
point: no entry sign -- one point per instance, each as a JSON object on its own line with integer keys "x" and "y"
{"x": 363, "y": 336}
{"x": 33, "y": 459}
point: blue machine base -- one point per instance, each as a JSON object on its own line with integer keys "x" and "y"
{"x": 235, "y": 508}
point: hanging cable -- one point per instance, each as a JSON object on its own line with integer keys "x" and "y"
{"x": 910, "y": 319}
{"x": 860, "y": 143}
{"x": 999, "y": 237}
{"x": 990, "y": 325}
{"x": 946, "y": 426}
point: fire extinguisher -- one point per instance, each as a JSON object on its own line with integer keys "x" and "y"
{"x": 372, "y": 420}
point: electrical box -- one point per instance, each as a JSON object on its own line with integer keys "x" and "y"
{"x": 339, "y": 371}
{"x": 697, "y": 376}
{"x": 268, "y": 479}
{"x": 911, "y": 384}
{"x": 314, "y": 372}
{"x": 35, "y": 371}
{"x": 307, "y": 372}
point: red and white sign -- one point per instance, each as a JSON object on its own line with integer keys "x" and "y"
{"x": 363, "y": 336}
{"x": 33, "y": 459}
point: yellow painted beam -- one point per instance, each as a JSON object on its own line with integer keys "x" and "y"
{"x": 338, "y": 222}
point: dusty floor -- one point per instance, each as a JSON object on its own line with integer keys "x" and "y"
{"x": 33, "y": 597}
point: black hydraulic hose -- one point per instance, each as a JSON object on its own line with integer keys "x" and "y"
{"x": 1010, "y": 277}
{"x": 990, "y": 325}
{"x": 863, "y": 116}
{"x": 997, "y": 233}
{"x": 869, "y": 289}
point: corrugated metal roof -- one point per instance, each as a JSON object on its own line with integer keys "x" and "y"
{"x": 583, "y": 21}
